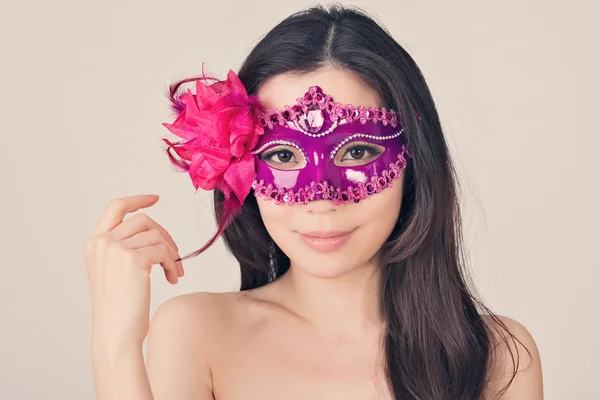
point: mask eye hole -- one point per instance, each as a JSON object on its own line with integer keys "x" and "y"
{"x": 357, "y": 153}
{"x": 284, "y": 157}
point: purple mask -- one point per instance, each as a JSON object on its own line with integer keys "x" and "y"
{"x": 319, "y": 149}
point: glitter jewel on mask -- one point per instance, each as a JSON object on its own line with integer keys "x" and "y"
{"x": 313, "y": 120}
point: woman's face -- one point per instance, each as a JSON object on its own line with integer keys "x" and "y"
{"x": 368, "y": 222}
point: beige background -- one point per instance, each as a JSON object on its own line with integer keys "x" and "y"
{"x": 81, "y": 106}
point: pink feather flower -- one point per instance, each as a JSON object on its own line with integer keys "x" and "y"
{"x": 219, "y": 125}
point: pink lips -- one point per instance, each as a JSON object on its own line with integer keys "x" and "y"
{"x": 326, "y": 240}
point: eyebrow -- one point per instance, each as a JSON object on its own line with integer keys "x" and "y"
{"x": 362, "y": 135}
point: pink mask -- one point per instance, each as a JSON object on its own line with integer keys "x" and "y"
{"x": 330, "y": 151}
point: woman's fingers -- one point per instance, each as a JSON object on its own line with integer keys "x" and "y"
{"x": 117, "y": 209}
{"x": 159, "y": 254}
{"x": 140, "y": 223}
{"x": 154, "y": 237}
{"x": 137, "y": 223}
{"x": 112, "y": 224}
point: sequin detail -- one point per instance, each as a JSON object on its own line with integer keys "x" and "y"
{"x": 306, "y": 116}
{"x": 322, "y": 190}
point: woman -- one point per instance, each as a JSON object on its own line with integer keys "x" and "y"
{"x": 335, "y": 191}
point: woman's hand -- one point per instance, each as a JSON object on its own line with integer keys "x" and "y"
{"x": 119, "y": 256}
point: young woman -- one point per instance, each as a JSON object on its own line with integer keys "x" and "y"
{"x": 335, "y": 191}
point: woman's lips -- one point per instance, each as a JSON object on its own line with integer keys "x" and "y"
{"x": 326, "y": 241}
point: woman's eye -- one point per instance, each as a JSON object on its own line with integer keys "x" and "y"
{"x": 357, "y": 153}
{"x": 284, "y": 158}
{"x": 280, "y": 156}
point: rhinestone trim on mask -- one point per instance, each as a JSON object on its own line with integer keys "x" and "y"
{"x": 363, "y": 135}
{"x": 338, "y": 196}
{"x": 279, "y": 142}
{"x": 316, "y": 135}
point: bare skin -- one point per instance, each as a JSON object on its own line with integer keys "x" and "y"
{"x": 252, "y": 348}
{"x": 315, "y": 333}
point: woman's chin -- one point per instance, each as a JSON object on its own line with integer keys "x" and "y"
{"x": 327, "y": 266}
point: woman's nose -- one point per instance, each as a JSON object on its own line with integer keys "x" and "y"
{"x": 320, "y": 206}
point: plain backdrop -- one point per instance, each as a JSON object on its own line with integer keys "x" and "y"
{"x": 81, "y": 105}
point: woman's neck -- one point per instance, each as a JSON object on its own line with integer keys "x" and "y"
{"x": 348, "y": 304}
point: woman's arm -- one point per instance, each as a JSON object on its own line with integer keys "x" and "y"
{"x": 177, "y": 354}
{"x": 176, "y": 365}
{"x": 527, "y": 384}
{"x": 121, "y": 374}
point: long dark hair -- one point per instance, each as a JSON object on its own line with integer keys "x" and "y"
{"x": 437, "y": 344}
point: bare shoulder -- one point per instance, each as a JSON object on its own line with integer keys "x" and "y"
{"x": 200, "y": 307}
{"x": 210, "y": 312}
{"x": 515, "y": 369}
{"x": 197, "y": 318}
{"x": 184, "y": 337}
